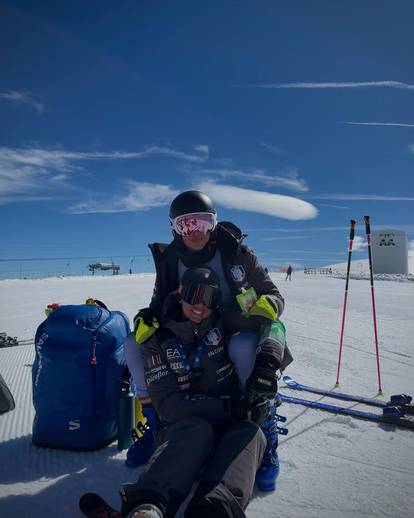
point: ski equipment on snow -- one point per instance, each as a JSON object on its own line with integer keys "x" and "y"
{"x": 398, "y": 400}
{"x": 92, "y": 505}
{"x": 374, "y": 315}
{"x": 351, "y": 241}
{"x": 10, "y": 341}
{"x": 391, "y": 415}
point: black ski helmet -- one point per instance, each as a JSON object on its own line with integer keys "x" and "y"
{"x": 201, "y": 284}
{"x": 191, "y": 201}
{"x": 202, "y": 276}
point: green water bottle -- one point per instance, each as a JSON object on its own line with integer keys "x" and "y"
{"x": 126, "y": 415}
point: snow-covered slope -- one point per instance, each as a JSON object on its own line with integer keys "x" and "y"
{"x": 331, "y": 466}
{"x": 361, "y": 266}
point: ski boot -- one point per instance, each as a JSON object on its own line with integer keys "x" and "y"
{"x": 142, "y": 448}
{"x": 269, "y": 470}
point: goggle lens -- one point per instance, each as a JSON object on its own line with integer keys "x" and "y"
{"x": 187, "y": 224}
{"x": 201, "y": 293}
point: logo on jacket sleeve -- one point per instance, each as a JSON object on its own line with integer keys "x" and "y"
{"x": 213, "y": 337}
{"x": 238, "y": 273}
{"x": 154, "y": 360}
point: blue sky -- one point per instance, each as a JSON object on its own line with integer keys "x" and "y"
{"x": 295, "y": 117}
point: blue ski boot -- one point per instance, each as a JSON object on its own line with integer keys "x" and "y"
{"x": 142, "y": 448}
{"x": 269, "y": 470}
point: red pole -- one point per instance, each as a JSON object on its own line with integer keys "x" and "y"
{"x": 351, "y": 240}
{"x": 374, "y": 314}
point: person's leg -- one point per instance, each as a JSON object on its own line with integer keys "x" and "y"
{"x": 227, "y": 485}
{"x": 146, "y": 421}
{"x": 182, "y": 449}
{"x": 242, "y": 350}
{"x": 134, "y": 357}
{"x": 269, "y": 469}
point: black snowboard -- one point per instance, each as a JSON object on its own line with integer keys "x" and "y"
{"x": 93, "y": 506}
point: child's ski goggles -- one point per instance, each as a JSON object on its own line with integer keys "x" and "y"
{"x": 187, "y": 224}
{"x": 201, "y": 293}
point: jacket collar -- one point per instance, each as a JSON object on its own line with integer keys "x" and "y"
{"x": 227, "y": 238}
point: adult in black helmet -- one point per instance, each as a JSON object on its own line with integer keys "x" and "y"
{"x": 200, "y": 240}
{"x": 191, "y": 201}
{"x": 188, "y": 210}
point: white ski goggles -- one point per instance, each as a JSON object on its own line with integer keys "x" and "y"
{"x": 187, "y": 224}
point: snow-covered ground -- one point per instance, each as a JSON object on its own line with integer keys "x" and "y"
{"x": 332, "y": 466}
{"x": 360, "y": 270}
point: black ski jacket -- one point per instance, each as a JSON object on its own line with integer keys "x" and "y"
{"x": 178, "y": 387}
{"x": 228, "y": 240}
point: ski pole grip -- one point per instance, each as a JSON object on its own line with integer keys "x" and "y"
{"x": 367, "y": 225}
{"x": 352, "y": 231}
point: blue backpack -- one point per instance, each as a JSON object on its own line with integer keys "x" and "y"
{"x": 76, "y": 377}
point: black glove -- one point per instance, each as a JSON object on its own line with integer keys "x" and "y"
{"x": 254, "y": 410}
{"x": 257, "y": 410}
{"x": 263, "y": 380}
{"x": 145, "y": 324}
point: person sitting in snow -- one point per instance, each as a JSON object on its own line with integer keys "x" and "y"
{"x": 200, "y": 240}
{"x": 206, "y": 425}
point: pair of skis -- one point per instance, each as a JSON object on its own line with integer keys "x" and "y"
{"x": 393, "y": 412}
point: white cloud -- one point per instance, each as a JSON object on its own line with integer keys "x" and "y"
{"x": 22, "y": 98}
{"x": 273, "y": 149}
{"x": 202, "y": 156}
{"x": 357, "y": 197}
{"x": 285, "y": 207}
{"x": 399, "y": 124}
{"x": 291, "y": 230}
{"x": 340, "y": 207}
{"x": 30, "y": 171}
{"x": 348, "y": 84}
{"x": 359, "y": 244}
{"x": 141, "y": 196}
{"x": 60, "y": 159}
{"x": 406, "y": 227}
{"x": 283, "y": 238}
{"x": 224, "y": 162}
{"x": 23, "y": 180}
{"x": 290, "y": 181}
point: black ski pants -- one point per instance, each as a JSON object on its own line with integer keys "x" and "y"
{"x": 223, "y": 462}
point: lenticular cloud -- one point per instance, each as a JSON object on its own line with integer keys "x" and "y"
{"x": 280, "y": 206}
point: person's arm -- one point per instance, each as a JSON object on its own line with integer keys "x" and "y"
{"x": 263, "y": 284}
{"x": 170, "y": 402}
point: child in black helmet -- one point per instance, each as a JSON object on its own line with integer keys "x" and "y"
{"x": 204, "y": 422}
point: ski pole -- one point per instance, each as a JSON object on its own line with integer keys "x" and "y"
{"x": 374, "y": 315}
{"x": 351, "y": 240}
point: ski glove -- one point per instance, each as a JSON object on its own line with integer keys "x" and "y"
{"x": 264, "y": 307}
{"x": 255, "y": 410}
{"x": 145, "y": 325}
{"x": 263, "y": 380}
